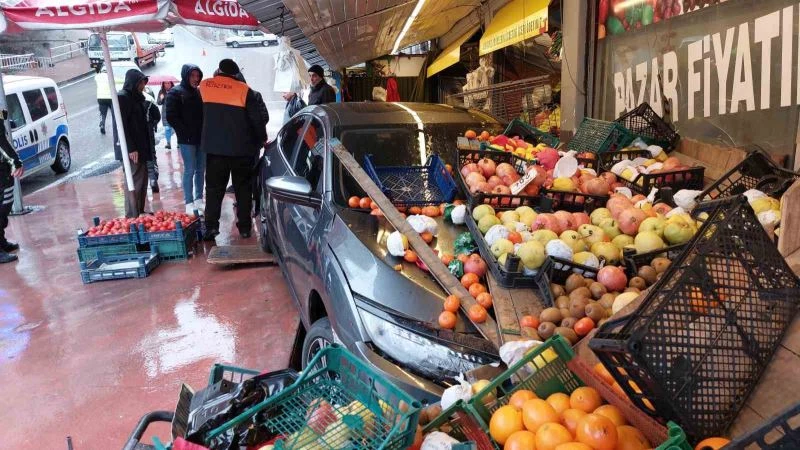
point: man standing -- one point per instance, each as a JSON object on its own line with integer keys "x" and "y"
{"x": 137, "y": 136}
{"x": 184, "y": 112}
{"x": 10, "y": 168}
{"x": 103, "y": 98}
{"x": 233, "y": 132}
{"x": 321, "y": 91}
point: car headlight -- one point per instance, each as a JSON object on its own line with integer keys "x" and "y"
{"x": 419, "y": 353}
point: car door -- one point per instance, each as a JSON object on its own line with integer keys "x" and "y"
{"x": 53, "y": 121}
{"x": 21, "y": 132}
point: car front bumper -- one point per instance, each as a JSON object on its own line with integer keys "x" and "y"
{"x": 419, "y": 388}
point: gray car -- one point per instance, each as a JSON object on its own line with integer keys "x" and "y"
{"x": 334, "y": 258}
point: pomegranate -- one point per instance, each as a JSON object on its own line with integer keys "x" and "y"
{"x": 504, "y": 169}
{"x": 565, "y": 220}
{"x": 501, "y": 189}
{"x": 474, "y": 178}
{"x": 630, "y": 219}
{"x": 671, "y": 163}
{"x": 494, "y": 180}
{"x": 618, "y": 203}
{"x": 510, "y": 179}
{"x": 662, "y": 208}
{"x": 609, "y": 177}
{"x": 541, "y": 174}
{"x": 483, "y": 187}
{"x": 475, "y": 264}
{"x": 469, "y": 168}
{"x": 580, "y": 218}
{"x": 531, "y": 189}
{"x": 597, "y": 186}
{"x": 548, "y": 157}
{"x": 637, "y": 198}
{"x": 613, "y": 278}
{"x": 547, "y": 221}
{"x": 487, "y": 167}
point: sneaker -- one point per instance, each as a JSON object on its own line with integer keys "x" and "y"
{"x": 168, "y": 147}
{"x": 7, "y": 257}
{"x": 245, "y": 234}
{"x": 200, "y": 205}
{"x": 154, "y": 188}
{"x": 9, "y": 247}
{"x": 190, "y": 209}
{"x": 102, "y": 130}
{"x": 210, "y": 235}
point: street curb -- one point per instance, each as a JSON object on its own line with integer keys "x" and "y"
{"x": 76, "y": 78}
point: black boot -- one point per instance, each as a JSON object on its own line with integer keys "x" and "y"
{"x": 154, "y": 188}
{"x": 9, "y": 246}
{"x": 102, "y": 130}
{"x": 210, "y": 235}
{"x": 7, "y": 257}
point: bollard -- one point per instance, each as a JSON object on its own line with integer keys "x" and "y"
{"x": 17, "y": 208}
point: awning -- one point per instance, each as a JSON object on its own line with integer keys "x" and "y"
{"x": 450, "y": 55}
{"x": 515, "y": 22}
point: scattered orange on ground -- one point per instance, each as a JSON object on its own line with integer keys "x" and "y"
{"x": 484, "y": 299}
{"x": 410, "y": 256}
{"x": 427, "y": 237}
{"x": 477, "y": 313}
{"x": 529, "y": 321}
{"x": 447, "y": 320}
{"x": 476, "y": 288}
{"x": 469, "y": 279}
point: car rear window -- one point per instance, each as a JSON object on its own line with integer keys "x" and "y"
{"x": 52, "y": 98}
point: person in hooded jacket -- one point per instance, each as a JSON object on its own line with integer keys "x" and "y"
{"x": 137, "y": 136}
{"x": 153, "y": 118}
{"x": 184, "y": 112}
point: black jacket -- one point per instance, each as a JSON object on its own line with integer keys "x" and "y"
{"x": 184, "y": 108}
{"x": 153, "y": 117}
{"x": 321, "y": 93}
{"x": 233, "y": 123}
{"x": 8, "y": 156}
{"x": 134, "y": 118}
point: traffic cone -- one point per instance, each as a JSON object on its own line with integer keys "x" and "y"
{"x": 204, "y": 52}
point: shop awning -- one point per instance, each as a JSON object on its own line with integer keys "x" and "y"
{"x": 515, "y": 22}
{"x": 450, "y": 55}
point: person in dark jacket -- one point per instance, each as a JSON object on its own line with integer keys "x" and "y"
{"x": 10, "y": 168}
{"x": 184, "y": 108}
{"x": 321, "y": 91}
{"x": 234, "y": 130}
{"x": 137, "y": 136}
{"x": 161, "y": 100}
{"x": 153, "y": 118}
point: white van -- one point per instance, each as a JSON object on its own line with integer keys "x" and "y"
{"x": 38, "y": 121}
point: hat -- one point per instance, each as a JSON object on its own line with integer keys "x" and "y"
{"x": 229, "y": 67}
{"x": 317, "y": 69}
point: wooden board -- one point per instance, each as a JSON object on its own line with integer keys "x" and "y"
{"x": 789, "y": 240}
{"x": 510, "y": 305}
{"x": 716, "y": 159}
{"x": 239, "y": 254}
{"x": 450, "y": 283}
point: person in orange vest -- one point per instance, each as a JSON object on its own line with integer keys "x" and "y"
{"x": 234, "y": 130}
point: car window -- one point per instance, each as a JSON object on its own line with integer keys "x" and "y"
{"x": 15, "y": 110}
{"x": 36, "y": 106}
{"x": 258, "y": 34}
{"x": 310, "y": 157}
{"x": 288, "y": 137}
{"x": 52, "y": 98}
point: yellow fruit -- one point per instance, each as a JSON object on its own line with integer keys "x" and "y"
{"x": 564, "y": 184}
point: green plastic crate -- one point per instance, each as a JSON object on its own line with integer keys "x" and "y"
{"x": 174, "y": 250}
{"x": 370, "y": 407}
{"x": 598, "y": 136}
{"x": 527, "y": 132}
{"x": 676, "y": 439}
{"x": 86, "y": 254}
{"x": 463, "y": 425}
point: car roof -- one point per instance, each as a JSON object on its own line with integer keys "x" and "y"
{"x": 370, "y": 114}
{"x": 21, "y": 81}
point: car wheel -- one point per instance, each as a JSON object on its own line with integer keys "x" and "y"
{"x": 263, "y": 233}
{"x": 63, "y": 157}
{"x": 318, "y": 337}
{"x": 265, "y": 43}
{"x": 235, "y": 44}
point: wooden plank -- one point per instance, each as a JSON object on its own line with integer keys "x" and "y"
{"x": 504, "y": 311}
{"x": 789, "y": 240}
{"x": 439, "y": 271}
{"x": 239, "y": 254}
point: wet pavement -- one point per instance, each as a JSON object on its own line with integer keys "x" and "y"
{"x": 88, "y": 360}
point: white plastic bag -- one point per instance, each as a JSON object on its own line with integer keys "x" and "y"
{"x": 513, "y": 351}
{"x": 460, "y": 391}
{"x": 685, "y": 198}
{"x": 566, "y": 166}
{"x": 437, "y": 440}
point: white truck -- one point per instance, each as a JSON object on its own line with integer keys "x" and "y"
{"x": 123, "y": 46}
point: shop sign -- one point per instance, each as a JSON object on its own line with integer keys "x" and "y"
{"x": 515, "y": 22}
{"x": 618, "y": 16}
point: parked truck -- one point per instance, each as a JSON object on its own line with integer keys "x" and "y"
{"x": 123, "y": 46}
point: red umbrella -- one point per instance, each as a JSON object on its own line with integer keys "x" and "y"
{"x": 214, "y": 13}
{"x": 156, "y": 80}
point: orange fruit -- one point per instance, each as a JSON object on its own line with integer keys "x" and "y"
{"x": 477, "y": 313}
{"x": 712, "y": 443}
{"x": 463, "y": 258}
{"x": 476, "y": 288}
{"x": 537, "y": 412}
{"x": 506, "y": 421}
{"x": 612, "y": 413}
{"x": 585, "y": 398}
{"x": 529, "y": 321}
{"x": 469, "y": 279}
{"x": 353, "y": 201}
{"x": 364, "y": 203}
{"x": 559, "y": 401}
{"x": 447, "y": 258}
{"x": 570, "y": 418}
{"x": 521, "y": 440}
{"x": 601, "y": 370}
{"x": 452, "y": 303}
{"x": 447, "y": 320}
{"x": 428, "y": 238}
{"x": 449, "y": 169}
{"x": 519, "y": 398}
{"x": 573, "y": 446}
{"x": 551, "y": 435}
{"x": 470, "y": 134}
{"x": 372, "y": 204}
{"x": 514, "y": 237}
{"x": 629, "y": 438}
{"x": 484, "y": 136}
{"x": 410, "y": 256}
{"x": 484, "y": 299}
{"x": 597, "y": 432}
{"x": 415, "y": 210}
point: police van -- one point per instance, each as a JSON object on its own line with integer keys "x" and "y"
{"x": 37, "y": 118}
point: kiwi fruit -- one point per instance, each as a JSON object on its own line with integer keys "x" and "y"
{"x": 648, "y": 273}
{"x": 597, "y": 290}
{"x": 581, "y": 292}
{"x": 568, "y": 322}
{"x": 546, "y": 330}
{"x": 574, "y": 281}
{"x": 577, "y": 307}
{"x": 588, "y": 281}
{"x": 562, "y": 302}
{"x": 660, "y": 264}
{"x": 638, "y": 283}
{"x": 607, "y": 300}
{"x": 551, "y": 315}
{"x": 565, "y": 312}
{"x": 568, "y": 333}
{"x": 595, "y": 311}
{"x": 557, "y": 290}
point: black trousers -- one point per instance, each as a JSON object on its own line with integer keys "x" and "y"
{"x": 6, "y": 198}
{"x": 135, "y": 200}
{"x": 240, "y": 170}
{"x": 105, "y": 105}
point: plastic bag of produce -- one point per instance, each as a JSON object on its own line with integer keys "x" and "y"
{"x": 464, "y": 244}
{"x": 460, "y": 391}
{"x": 397, "y": 244}
{"x": 513, "y": 351}
{"x": 685, "y": 198}
{"x": 422, "y": 224}
{"x": 438, "y": 441}
{"x": 456, "y": 267}
{"x": 458, "y": 214}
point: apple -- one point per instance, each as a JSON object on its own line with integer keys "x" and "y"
{"x": 591, "y": 234}
{"x": 531, "y": 254}
{"x": 524, "y": 209}
{"x": 599, "y": 214}
{"x": 544, "y": 236}
{"x": 574, "y": 240}
{"x": 482, "y": 210}
{"x": 502, "y": 246}
{"x": 648, "y": 241}
{"x": 610, "y": 228}
{"x": 608, "y": 252}
{"x": 587, "y": 259}
{"x": 653, "y": 224}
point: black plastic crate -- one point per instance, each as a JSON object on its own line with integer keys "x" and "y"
{"x": 557, "y": 270}
{"x": 598, "y": 136}
{"x": 702, "y": 337}
{"x": 118, "y": 267}
{"x": 633, "y": 261}
{"x": 496, "y": 200}
{"x": 84, "y": 240}
{"x": 430, "y": 184}
{"x": 779, "y": 433}
{"x": 756, "y": 171}
{"x": 691, "y": 178}
{"x": 574, "y": 201}
{"x": 649, "y": 126}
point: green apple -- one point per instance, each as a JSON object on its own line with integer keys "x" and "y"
{"x": 622, "y": 241}
{"x": 482, "y": 210}
{"x": 653, "y": 224}
{"x": 610, "y": 227}
{"x": 647, "y": 241}
{"x": 678, "y": 232}
{"x": 544, "y": 236}
{"x": 608, "y": 252}
{"x": 486, "y": 222}
{"x": 531, "y": 254}
{"x": 574, "y": 240}
{"x": 599, "y": 214}
{"x": 591, "y": 233}
{"x": 502, "y": 246}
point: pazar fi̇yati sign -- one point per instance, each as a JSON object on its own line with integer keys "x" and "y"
{"x": 729, "y": 72}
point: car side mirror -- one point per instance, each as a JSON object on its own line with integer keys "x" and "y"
{"x": 295, "y": 190}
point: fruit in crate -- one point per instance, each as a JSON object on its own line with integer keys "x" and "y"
{"x": 160, "y": 221}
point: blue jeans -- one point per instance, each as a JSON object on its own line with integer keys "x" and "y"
{"x": 194, "y": 168}
{"x": 167, "y": 133}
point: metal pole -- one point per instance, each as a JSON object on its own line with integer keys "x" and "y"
{"x": 123, "y": 144}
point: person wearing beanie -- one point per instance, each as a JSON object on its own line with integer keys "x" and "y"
{"x": 321, "y": 91}
{"x": 234, "y": 130}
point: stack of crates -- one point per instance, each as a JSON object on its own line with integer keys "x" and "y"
{"x": 114, "y": 256}
{"x": 173, "y": 245}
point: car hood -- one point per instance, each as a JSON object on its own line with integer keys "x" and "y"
{"x": 358, "y": 240}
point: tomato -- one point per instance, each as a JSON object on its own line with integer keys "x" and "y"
{"x": 477, "y": 313}
{"x": 583, "y": 326}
